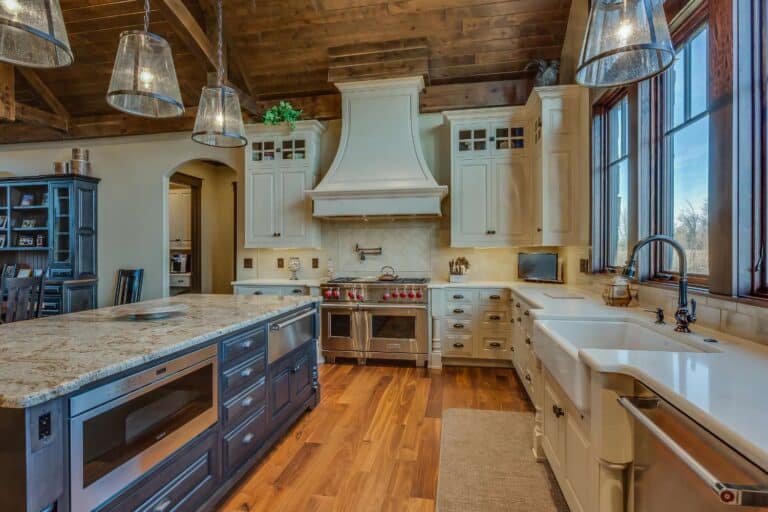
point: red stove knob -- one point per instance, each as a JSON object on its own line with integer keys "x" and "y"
{"x": 402, "y": 294}
{"x": 411, "y": 294}
{"x": 336, "y": 294}
{"x": 351, "y": 295}
{"x": 418, "y": 294}
{"x": 327, "y": 294}
{"x": 359, "y": 296}
{"x": 385, "y": 296}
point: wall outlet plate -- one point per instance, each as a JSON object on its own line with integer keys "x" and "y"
{"x": 315, "y": 262}
{"x": 280, "y": 263}
{"x": 247, "y": 262}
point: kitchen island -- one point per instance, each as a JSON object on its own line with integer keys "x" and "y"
{"x": 99, "y": 412}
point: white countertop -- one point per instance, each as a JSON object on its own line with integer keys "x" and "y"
{"x": 50, "y": 357}
{"x": 725, "y": 392}
{"x": 312, "y": 283}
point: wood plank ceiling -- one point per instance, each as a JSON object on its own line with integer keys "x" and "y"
{"x": 280, "y": 49}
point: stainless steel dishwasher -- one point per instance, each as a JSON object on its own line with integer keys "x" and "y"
{"x": 679, "y": 466}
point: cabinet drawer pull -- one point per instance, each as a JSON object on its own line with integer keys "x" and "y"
{"x": 458, "y": 345}
{"x": 258, "y": 292}
{"x": 247, "y": 438}
{"x": 163, "y": 505}
{"x": 296, "y": 369}
{"x": 512, "y": 349}
{"x": 458, "y": 311}
{"x": 495, "y": 344}
{"x": 527, "y": 341}
{"x": 247, "y": 372}
{"x": 246, "y": 344}
{"x": 458, "y": 297}
{"x": 558, "y": 411}
{"x": 519, "y": 319}
{"x": 247, "y": 401}
{"x": 494, "y": 317}
{"x": 517, "y": 305}
{"x": 527, "y": 313}
{"x": 458, "y": 326}
{"x": 528, "y": 377}
{"x": 495, "y": 297}
{"x": 490, "y": 232}
{"x": 298, "y": 291}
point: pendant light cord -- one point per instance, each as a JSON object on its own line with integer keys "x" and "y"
{"x": 220, "y": 43}
{"x": 146, "y": 15}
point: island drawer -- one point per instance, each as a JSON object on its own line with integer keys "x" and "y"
{"x": 244, "y": 404}
{"x": 237, "y": 378}
{"x": 242, "y": 344}
{"x": 244, "y": 441}
{"x": 182, "y": 484}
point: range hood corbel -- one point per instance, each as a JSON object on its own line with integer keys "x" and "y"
{"x": 379, "y": 169}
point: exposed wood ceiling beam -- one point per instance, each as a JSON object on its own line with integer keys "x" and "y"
{"x": 436, "y": 98}
{"x": 7, "y": 92}
{"x": 36, "y": 116}
{"x": 50, "y": 99}
{"x": 197, "y": 41}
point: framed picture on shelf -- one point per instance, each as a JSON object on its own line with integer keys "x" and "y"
{"x": 27, "y": 200}
{"x": 24, "y": 272}
{"x": 3, "y": 221}
{"x": 28, "y": 223}
{"x": 26, "y": 241}
{"x": 40, "y": 240}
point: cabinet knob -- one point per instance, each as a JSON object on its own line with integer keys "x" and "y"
{"x": 246, "y": 344}
{"x": 458, "y": 345}
{"x": 247, "y": 372}
{"x": 495, "y": 344}
{"x": 527, "y": 313}
{"x": 528, "y": 377}
{"x": 558, "y": 411}
{"x": 247, "y": 401}
{"x": 539, "y": 230}
{"x": 527, "y": 341}
{"x": 247, "y": 438}
{"x": 517, "y": 305}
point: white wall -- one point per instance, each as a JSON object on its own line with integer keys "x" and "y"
{"x": 133, "y": 196}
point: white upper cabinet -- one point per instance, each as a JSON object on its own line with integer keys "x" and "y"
{"x": 560, "y": 157}
{"x": 490, "y": 178}
{"x": 180, "y": 218}
{"x": 280, "y": 166}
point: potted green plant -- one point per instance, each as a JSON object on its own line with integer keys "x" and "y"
{"x": 283, "y": 112}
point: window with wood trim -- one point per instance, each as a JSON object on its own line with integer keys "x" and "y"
{"x": 757, "y": 133}
{"x": 617, "y": 182}
{"x": 684, "y": 175}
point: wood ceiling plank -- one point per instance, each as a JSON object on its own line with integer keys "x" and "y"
{"x": 7, "y": 92}
{"x": 47, "y": 95}
{"x": 189, "y": 31}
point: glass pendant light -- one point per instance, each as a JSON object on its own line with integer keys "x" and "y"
{"x": 627, "y": 41}
{"x": 219, "y": 121}
{"x": 144, "y": 79}
{"x": 32, "y": 34}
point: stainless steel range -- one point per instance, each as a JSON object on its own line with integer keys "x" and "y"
{"x": 373, "y": 319}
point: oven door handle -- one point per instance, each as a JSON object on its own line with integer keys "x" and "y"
{"x": 730, "y": 494}
{"x": 361, "y": 327}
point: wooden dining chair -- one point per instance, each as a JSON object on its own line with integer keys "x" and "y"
{"x": 128, "y": 289}
{"x": 22, "y": 299}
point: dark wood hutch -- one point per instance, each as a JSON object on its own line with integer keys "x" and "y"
{"x": 49, "y": 222}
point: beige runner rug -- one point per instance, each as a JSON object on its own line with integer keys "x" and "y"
{"x": 486, "y": 465}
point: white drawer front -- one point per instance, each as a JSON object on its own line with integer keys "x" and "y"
{"x": 457, "y": 325}
{"x": 495, "y": 296}
{"x": 180, "y": 281}
{"x": 295, "y": 290}
{"x": 259, "y": 290}
{"x": 458, "y": 345}
{"x": 460, "y": 295}
{"x": 496, "y": 320}
{"x": 493, "y": 346}
{"x": 459, "y": 310}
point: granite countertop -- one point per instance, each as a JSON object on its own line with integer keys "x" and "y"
{"x": 312, "y": 283}
{"x": 723, "y": 391}
{"x": 50, "y": 357}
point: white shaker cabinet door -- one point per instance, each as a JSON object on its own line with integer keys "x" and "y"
{"x": 294, "y": 207}
{"x": 510, "y": 201}
{"x": 260, "y": 208}
{"x": 471, "y": 208}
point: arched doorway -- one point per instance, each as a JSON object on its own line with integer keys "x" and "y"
{"x": 200, "y": 227}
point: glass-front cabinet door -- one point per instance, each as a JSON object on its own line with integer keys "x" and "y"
{"x": 264, "y": 150}
{"x": 61, "y": 225}
{"x": 472, "y": 140}
{"x": 507, "y": 137}
{"x": 294, "y": 149}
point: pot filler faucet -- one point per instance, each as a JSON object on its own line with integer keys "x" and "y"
{"x": 683, "y": 317}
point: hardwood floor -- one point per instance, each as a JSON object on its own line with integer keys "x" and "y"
{"x": 373, "y": 442}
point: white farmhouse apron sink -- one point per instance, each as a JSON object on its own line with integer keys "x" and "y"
{"x": 557, "y": 344}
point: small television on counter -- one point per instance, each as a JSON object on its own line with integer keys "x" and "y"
{"x": 537, "y": 266}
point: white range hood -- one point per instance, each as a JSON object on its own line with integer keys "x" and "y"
{"x": 379, "y": 169}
